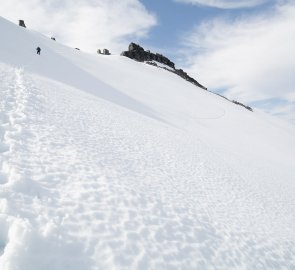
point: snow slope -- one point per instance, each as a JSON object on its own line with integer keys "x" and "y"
{"x": 107, "y": 163}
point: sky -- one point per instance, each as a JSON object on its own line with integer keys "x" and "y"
{"x": 243, "y": 49}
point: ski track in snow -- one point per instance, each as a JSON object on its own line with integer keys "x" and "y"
{"x": 109, "y": 199}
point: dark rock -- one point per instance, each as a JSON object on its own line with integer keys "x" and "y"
{"x": 53, "y": 38}
{"x": 104, "y": 52}
{"x": 222, "y": 96}
{"x": 152, "y": 64}
{"x": 241, "y": 104}
{"x": 138, "y": 53}
{"x": 77, "y": 49}
{"x": 134, "y": 47}
{"x": 185, "y": 76}
{"x": 22, "y": 23}
{"x": 235, "y": 102}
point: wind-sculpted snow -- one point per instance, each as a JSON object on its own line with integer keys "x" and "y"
{"x": 92, "y": 192}
{"x": 88, "y": 182}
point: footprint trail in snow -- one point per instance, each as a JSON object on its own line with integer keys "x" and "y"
{"x": 85, "y": 184}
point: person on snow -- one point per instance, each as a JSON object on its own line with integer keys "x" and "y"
{"x": 38, "y": 49}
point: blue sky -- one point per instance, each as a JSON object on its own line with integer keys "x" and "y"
{"x": 175, "y": 19}
{"x": 243, "y": 49}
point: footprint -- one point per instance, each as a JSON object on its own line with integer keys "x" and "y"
{"x": 3, "y": 119}
{"x": 3, "y": 178}
{"x": 3, "y": 235}
{"x": 4, "y": 147}
{"x": 2, "y": 247}
{"x": 2, "y": 132}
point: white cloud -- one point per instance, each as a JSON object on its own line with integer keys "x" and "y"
{"x": 88, "y": 24}
{"x": 225, "y": 4}
{"x": 251, "y": 59}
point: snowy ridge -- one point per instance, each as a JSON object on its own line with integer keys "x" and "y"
{"x": 111, "y": 164}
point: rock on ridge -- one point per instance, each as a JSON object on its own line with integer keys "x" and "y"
{"x": 138, "y": 53}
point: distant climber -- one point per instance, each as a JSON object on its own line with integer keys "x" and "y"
{"x": 38, "y": 49}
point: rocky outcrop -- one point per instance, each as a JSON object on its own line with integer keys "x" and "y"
{"x": 136, "y": 52}
{"x": 185, "y": 76}
{"x": 243, "y": 105}
{"x": 236, "y": 102}
{"x": 22, "y": 23}
{"x": 180, "y": 73}
{"x": 104, "y": 52}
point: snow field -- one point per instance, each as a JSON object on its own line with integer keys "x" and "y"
{"x": 106, "y": 163}
{"x": 98, "y": 194}
{"x": 12, "y": 115}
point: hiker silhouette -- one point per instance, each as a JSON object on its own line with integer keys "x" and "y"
{"x": 38, "y": 49}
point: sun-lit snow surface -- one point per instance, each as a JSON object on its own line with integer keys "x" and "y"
{"x": 107, "y": 163}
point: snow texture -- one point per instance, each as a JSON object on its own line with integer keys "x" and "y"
{"x": 107, "y": 163}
